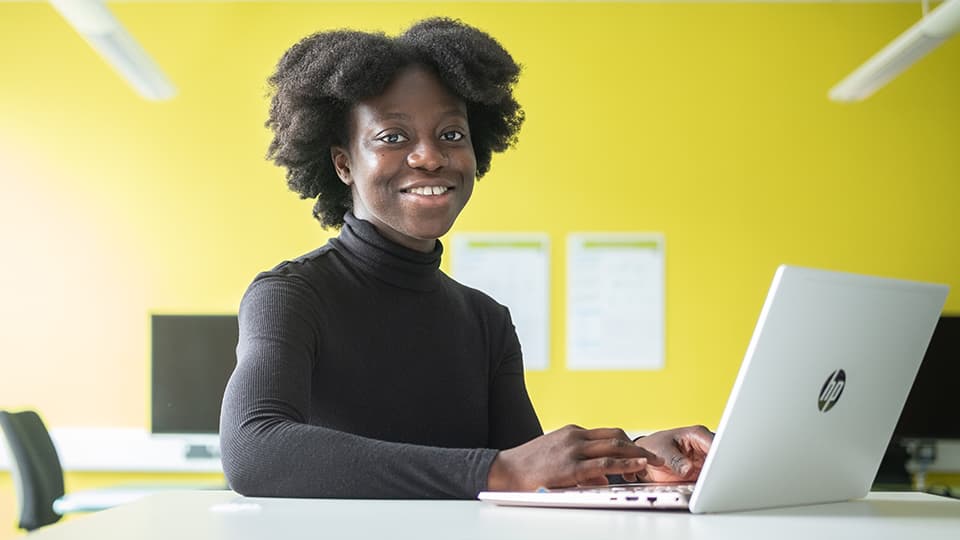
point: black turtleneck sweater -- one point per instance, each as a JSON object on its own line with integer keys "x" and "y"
{"x": 363, "y": 371}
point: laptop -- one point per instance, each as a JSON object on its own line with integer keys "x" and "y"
{"x": 820, "y": 389}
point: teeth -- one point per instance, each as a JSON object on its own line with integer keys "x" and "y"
{"x": 429, "y": 190}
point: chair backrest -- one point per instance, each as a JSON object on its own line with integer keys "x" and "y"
{"x": 35, "y": 466}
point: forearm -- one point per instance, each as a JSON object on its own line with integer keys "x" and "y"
{"x": 281, "y": 458}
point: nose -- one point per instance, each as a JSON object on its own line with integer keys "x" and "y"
{"x": 428, "y": 155}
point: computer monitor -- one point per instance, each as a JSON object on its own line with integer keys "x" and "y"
{"x": 925, "y": 414}
{"x": 925, "y": 418}
{"x": 192, "y": 357}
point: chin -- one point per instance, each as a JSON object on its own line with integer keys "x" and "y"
{"x": 431, "y": 233}
{"x": 432, "y": 225}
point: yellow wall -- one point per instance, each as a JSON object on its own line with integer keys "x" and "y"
{"x": 708, "y": 122}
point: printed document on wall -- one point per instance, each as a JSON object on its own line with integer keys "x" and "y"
{"x": 615, "y": 301}
{"x": 514, "y": 269}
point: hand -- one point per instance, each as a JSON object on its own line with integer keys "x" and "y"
{"x": 679, "y": 453}
{"x": 570, "y": 456}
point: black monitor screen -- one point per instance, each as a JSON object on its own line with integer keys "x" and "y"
{"x": 928, "y": 413}
{"x": 192, "y": 357}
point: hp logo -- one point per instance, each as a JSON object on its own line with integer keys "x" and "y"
{"x": 832, "y": 388}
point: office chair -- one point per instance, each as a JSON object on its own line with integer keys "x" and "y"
{"x": 35, "y": 467}
{"x": 38, "y": 476}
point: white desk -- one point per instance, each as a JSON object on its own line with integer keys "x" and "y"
{"x": 223, "y": 515}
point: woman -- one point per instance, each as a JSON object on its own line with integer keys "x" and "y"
{"x": 364, "y": 371}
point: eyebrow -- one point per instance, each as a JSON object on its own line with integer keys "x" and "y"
{"x": 400, "y": 116}
{"x": 404, "y": 116}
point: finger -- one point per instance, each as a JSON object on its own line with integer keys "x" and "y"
{"x": 613, "y": 448}
{"x": 638, "y": 476}
{"x": 588, "y": 471}
{"x": 696, "y": 438}
{"x": 652, "y": 458}
{"x": 598, "y": 481}
{"x": 605, "y": 433}
{"x": 643, "y": 476}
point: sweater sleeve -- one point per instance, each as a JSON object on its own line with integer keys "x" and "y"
{"x": 268, "y": 447}
{"x": 513, "y": 420}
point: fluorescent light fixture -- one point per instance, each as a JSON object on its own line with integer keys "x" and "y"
{"x": 901, "y": 53}
{"x": 107, "y": 36}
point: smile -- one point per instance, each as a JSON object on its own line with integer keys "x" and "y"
{"x": 428, "y": 190}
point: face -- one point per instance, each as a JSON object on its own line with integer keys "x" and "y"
{"x": 409, "y": 162}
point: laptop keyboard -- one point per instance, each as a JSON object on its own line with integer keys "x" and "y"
{"x": 683, "y": 489}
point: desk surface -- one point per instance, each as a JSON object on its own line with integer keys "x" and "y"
{"x": 223, "y": 515}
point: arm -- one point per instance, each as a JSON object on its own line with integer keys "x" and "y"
{"x": 513, "y": 420}
{"x": 268, "y": 447}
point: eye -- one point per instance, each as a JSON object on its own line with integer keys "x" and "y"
{"x": 451, "y": 136}
{"x": 393, "y": 138}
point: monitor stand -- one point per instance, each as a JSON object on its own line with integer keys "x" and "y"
{"x": 922, "y": 453}
{"x": 201, "y": 451}
{"x": 192, "y": 447}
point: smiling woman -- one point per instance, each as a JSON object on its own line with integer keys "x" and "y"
{"x": 409, "y": 162}
{"x": 363, "y": 370}
{"x": 321, "y": 79}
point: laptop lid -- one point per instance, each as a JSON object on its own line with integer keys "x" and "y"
{"x": 826, "y": 373}
{"x": 820, "y": 389}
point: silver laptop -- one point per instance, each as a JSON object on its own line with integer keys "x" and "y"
{"x": 820, "y": 389}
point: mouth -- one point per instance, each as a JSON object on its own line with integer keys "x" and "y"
{"x": 428, "y": 191}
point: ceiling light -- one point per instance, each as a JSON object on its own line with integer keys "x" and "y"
{"x": 932, "y": 30}
{"x": 107, "y": 36}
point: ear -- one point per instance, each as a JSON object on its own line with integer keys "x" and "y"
{"x": 341, "y": 162}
